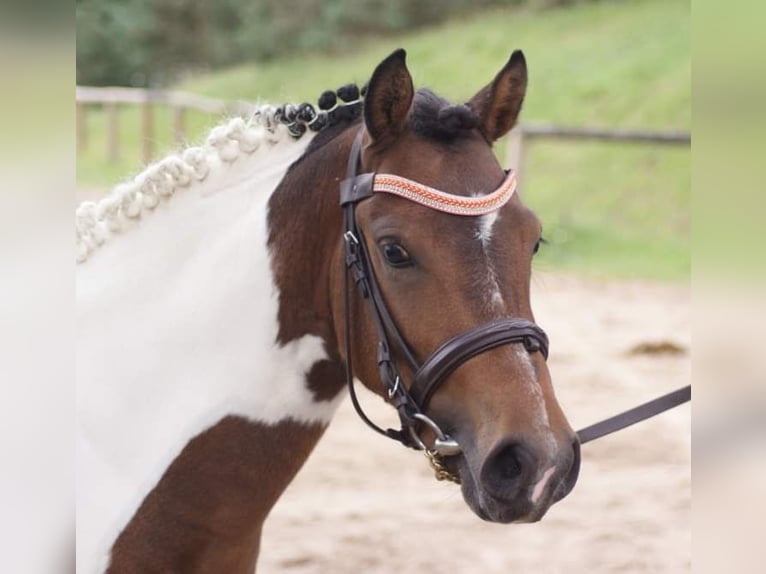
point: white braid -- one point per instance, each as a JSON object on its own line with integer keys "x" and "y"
{"x": 95, "y": 221}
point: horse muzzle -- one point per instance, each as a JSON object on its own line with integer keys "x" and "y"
{"x": 514, "y": 483}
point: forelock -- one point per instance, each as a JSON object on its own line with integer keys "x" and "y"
{"x": 436, "y": 118}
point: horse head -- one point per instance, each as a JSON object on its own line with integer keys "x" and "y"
{"x": 430, "y": 281}
{"x": 443, "y": 274}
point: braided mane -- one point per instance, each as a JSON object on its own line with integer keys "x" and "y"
{"x": 267, "y": 125}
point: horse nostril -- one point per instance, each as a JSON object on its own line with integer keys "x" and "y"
{"x": 507, "y": 470}
{"x": 509, "y": 465}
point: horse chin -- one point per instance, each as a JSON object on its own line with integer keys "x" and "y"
{"x": 501, "y": 513}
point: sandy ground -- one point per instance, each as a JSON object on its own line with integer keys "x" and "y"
{"x": 365, "y": 504}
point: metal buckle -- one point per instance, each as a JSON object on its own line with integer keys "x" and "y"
{"x": 350, "y": 237}
{"x": 444, "y": 445}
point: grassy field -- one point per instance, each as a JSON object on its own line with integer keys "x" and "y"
{"x": 615, "y": 210}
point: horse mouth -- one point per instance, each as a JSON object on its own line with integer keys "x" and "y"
{"x": 498, "y": 511}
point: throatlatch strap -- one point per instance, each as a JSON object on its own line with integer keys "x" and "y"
{"x": 354, "y": 189}
{"x": 350, "y": 369}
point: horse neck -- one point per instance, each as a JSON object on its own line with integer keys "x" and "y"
{"x": 207, "y": 312}
{"x": 305, "y": 245}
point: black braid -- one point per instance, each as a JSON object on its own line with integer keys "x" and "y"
{"x": 348, "y": 93}
{"x": 343, "y": 105}
{"x": 327, "y": 100}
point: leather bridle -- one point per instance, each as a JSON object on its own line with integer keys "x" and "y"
{"x": 411, "y": 401}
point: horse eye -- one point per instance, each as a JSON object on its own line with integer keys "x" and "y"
{"x": 396, "y": 255}
{"x": 541, "y": 241}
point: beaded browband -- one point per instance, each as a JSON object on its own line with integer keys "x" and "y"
{"x": 446, "y": 202}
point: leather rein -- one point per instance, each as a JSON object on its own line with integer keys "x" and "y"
{"x": 412, "y": 400}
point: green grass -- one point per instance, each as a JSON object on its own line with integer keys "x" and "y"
{"x": 619, "y": 210}
{"x": 608, "y": 209}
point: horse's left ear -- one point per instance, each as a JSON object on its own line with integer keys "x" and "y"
{"x": 498, "y": 104}
{"x": 388, "y": 98}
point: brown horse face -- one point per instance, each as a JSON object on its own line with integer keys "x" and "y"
{"x": 443, "y": 274}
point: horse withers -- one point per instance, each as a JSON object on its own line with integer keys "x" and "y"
{"x": 221, "y": 313}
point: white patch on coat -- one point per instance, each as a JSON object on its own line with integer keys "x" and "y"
{"x": 177, "y": 323}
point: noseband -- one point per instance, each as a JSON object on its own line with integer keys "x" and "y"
{"x": 411, "y": 401}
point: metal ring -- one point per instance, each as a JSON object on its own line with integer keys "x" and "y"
{"x": 418, "y": 441}
{"x": 444, "y": 445}
{"x": 392, "y": 390}
{"x": 432, "y": 424}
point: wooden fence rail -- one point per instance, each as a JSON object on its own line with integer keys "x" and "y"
{"x": 179, "y": 102}
{"x": 111, "y": 98}
{"x": 524, "y": 133}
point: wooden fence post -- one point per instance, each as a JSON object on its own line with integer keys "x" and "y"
{"x": 147, "y": 131}
{"x": 514, "y": 155}
{"x": 112, "y": 132}
{"x": 179, "y": 125}
{"x": 81, "y": 126}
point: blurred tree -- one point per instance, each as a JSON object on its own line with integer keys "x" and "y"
{"x": 111, "y": 41}
{"x": 151, "y": 42}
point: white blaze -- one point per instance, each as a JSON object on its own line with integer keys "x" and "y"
{"x": 486, "y": 222}
{"x": 492, "y": 295}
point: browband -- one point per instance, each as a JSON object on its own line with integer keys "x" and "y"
{"x": 447, "y": 202}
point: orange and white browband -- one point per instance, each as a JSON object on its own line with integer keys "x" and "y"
{"x": 435, "y": 199}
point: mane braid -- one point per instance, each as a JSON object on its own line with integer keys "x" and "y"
{"x": 129, "y": 201}
{"x": 95, "y": 221}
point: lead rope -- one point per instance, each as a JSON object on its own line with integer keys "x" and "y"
{"x": 635, "y": 415}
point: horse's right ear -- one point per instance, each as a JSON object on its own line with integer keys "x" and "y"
{"x": 388, "y": 98}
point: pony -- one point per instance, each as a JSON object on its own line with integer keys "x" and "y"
{"x": 216, "y": 337}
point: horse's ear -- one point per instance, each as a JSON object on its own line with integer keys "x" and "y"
{"x": 498, "y": 104}
{"x": 388, "y": 98}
